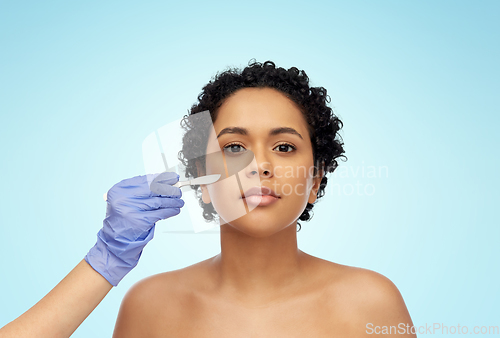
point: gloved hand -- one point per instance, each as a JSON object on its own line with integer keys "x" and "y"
{"x": 133, "y": 209}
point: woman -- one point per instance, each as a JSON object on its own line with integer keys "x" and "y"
{"x": 261, "y": 284}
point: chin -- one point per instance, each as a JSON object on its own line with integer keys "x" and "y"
{"x": 263, "y": 221}
{"x": 258, "y": 228}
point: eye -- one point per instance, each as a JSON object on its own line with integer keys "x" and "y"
{"x": 286, "y": 146}
{"x": 233, "y": 148}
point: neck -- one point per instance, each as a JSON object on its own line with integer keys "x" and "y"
{"x": 258, "y": 268}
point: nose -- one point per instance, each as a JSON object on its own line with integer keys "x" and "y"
{"x": 260, "y": 166}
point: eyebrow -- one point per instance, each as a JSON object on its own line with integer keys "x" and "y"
{"x": 272, "y": 132}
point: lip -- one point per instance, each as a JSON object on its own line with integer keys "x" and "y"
{"x": 260, "y": 196}
{"x": 260, "y": 191}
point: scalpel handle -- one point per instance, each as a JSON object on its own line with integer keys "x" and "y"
{"x": 181, "y": 184}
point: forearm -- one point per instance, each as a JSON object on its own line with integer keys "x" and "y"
{"x": 63, "y": 309}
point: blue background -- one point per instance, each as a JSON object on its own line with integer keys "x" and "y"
{"x": 416, "y": 84}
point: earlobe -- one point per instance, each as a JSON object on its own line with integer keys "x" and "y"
{"x": 204, "y": 191}
{"x": 313, "y": 196}
{"x": 205, "y": 195}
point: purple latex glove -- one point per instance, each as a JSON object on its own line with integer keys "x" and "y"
{"x": 133, "y": 209}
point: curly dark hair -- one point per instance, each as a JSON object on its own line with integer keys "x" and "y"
{"x": 323, "y": 125}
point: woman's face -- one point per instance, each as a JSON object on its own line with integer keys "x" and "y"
{"x": 282, "y": 161}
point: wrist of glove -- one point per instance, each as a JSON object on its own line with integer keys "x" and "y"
{"x": 133, "y": 207}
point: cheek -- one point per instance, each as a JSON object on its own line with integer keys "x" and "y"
{"x": 294, "y": 180}
{"x": 228, "y": 165}
{"x": 215, "y": 164}
{"x": 225, "y": 195}
{"x": 300, "y": 189}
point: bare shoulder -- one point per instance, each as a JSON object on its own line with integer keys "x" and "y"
{"x": 157, "y": 304}
{"x": 364, "y": 298}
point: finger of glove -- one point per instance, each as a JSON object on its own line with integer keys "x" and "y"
{"x": 164, "y": 189}
{"x": 167, "y": 177}
{"x": 154, "y": 203}
{"x": 138, "y": 186}
{"x": 165, "y": 213}
{"x": 150, "y": 218}
{"x": 162, "y": 185}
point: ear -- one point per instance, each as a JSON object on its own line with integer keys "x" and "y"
{"x": 204, "y": 191}
{"x": 313, "y": 196}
